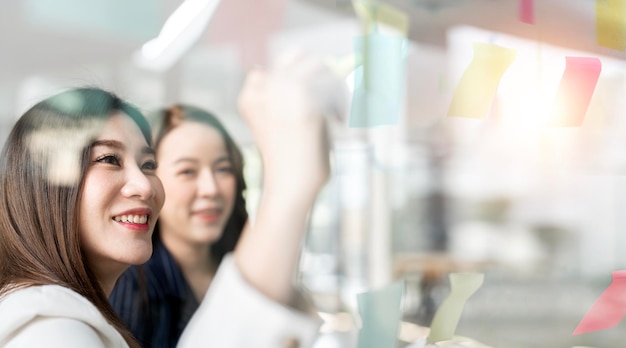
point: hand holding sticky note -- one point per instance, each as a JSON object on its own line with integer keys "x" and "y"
{"x": 462, "y": 286}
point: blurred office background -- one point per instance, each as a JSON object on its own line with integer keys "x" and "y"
{"x": 540, "y": 210}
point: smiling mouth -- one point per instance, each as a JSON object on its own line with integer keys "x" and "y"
{"x": 210, "y": 215}
{"x": 132, "y": 219}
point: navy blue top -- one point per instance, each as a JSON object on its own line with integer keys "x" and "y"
{"x": 154, "y": 300}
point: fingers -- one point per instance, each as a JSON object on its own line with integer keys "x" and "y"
{"x": 252, "y": 95}
{"x": 288, "y": 59}
{"x": 297, "y": 82}
{"x": 327, "y": 92}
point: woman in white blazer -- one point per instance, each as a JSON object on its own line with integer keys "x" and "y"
{"x": 79, "y": 198}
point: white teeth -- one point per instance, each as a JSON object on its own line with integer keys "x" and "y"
{"x": 135, "y": 219}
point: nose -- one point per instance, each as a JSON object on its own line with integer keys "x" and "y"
{"x": 138, "y": 185}
{"x": 207, "y": 185}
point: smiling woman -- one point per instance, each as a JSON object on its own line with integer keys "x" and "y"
{"x": 204, "y": 214}
{"x": 120, "y": 201}
{"x": 60, "y": 191}
{"x": 79, "y": 198}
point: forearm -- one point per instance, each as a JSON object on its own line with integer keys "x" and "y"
{"x": 287, "y": 120}
{"x": 267, "y": 254}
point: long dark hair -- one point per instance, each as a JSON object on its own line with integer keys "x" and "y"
{"x": 164, "y": 121}
{"x": 42, "y": 171}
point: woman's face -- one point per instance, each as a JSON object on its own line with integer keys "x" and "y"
{"x": 121, "y": 198}
{"x": 199, "y": 183}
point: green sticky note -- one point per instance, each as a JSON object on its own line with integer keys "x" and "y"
{"x": 380, "y": 316}
{"x": 379, "y": 84}
{"x": 462, "y": 286}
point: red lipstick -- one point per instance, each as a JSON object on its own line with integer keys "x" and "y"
{"x": 141, "y": 226}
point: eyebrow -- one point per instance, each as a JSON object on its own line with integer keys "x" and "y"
{"x": 193, "y": 160}
{"x": 146, "y": 150}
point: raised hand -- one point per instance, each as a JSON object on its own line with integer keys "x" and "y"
{"x": 285, "y": 108}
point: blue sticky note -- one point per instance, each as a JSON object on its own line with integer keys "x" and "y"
{"x": 380, "y": 316}
{"x": 139, "y": 20}
{"x": 379, "y": 84}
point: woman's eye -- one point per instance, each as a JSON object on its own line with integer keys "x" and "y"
{"x": 150, "y": 165}
{"x": 109, "y": 159}
{"x": 187, "y": 172}
{"x": 225, "y": 170}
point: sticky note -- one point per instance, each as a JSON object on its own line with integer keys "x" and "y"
{"x": 445, "y": 321}
{"x": 575, "y": 91}
{"x": 477, "y": 87}
{"x": 609, "y": 308}
{"x": 611, "y": 24}
{"x": 129, "y": 20}
{"x": 373, "y": 13}
{"x": 527, "y": 11}
{"x": 379, "y": 84}
{"x": 380, "y": 316}
{"x": 248, "y": 25}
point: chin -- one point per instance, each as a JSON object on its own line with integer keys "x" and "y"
{"x": 206, "y": 240}
{"x": 142, "y": 260}
{"x": 204, "y": 235}
{"x": 140, "y": 255}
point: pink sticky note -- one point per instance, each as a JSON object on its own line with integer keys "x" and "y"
{"x": 248, "y": 25}
{"x": 609, "y": 309}
{"x": 527, "y": 11}
{"x": 575, "y": 91}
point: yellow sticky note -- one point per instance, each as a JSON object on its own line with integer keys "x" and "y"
{"x": 462, "y": 286}
{"x": 372, "y": 13}
{"x": 611, "y": 24}
{"x": 478, "y": 85}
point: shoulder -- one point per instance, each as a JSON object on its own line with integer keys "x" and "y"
{"x": 232, "y": 305}
{"x": 47, "y": 300}
{"x": 22, "y": 310}
{"x": 56, "y": 332}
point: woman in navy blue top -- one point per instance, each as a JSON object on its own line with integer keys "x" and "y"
{"x": 201, "y": 169}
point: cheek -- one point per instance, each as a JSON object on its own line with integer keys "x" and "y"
{"x": 94, "y": 192}
{"x": 179, "y": 192}
{"x": 159, "y": 191}
{"x": 229, "y": 188}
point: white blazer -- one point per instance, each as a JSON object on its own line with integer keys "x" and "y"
{"x": 232, "y": 315}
